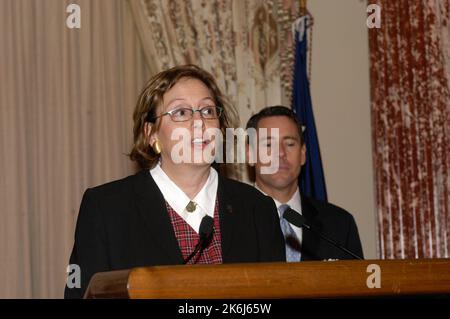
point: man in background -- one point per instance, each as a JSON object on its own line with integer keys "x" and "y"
{"x": 282, "y": 185}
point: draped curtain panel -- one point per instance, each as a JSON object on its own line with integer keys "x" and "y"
{"x": 245, "y": 44}
{"x": 66, "y": 103}
{"x": 410, "y": 84}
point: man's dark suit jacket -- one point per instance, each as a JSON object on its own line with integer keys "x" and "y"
{"x": 125, "y": 224}
{"x": 335, "y": 223}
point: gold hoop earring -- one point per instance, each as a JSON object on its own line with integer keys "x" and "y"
{"x": 156, "y": 147}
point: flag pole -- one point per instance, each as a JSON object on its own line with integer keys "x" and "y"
{"x": 303, "y": 9}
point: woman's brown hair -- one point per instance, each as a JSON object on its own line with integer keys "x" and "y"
{"x": 151, "y": 98}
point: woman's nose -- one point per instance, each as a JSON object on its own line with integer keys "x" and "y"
{"x": 197, "y": 122}
{"x": 197, "y": 116}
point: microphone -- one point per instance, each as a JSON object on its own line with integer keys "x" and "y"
{"x": 205, "y": 233}
{"x": 299, "y": 220}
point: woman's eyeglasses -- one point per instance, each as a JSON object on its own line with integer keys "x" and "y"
{"x": 185, "y": 114}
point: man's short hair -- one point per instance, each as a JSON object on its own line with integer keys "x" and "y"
{"x": 277, "y": 110}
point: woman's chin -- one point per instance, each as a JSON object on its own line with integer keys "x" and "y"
{"x": 198, "y": 155}
{"x": 202, "y": 161}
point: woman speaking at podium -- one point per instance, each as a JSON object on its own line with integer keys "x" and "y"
{"x": 177, "y": 209}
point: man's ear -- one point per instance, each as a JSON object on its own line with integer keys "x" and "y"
{"x": 303, "y": 154}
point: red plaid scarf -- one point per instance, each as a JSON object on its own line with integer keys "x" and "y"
{"x": 187, "y": 239}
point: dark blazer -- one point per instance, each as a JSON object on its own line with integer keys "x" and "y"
{"x": 335, "y": 223}
{"x": 125, "y": 224}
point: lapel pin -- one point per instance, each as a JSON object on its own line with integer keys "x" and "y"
{"x": 191, "y": 207}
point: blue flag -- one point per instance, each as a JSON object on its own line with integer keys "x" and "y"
{"x": 312, "y": 181}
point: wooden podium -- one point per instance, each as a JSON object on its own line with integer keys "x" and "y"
{"x": 321, "y": 279}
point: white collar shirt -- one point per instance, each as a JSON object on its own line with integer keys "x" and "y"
{"x": 178, "y": 200}
{"x": 295, "y": 203}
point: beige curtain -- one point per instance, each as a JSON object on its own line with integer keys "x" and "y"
{"x": 245, "y": 44}
{"x": 66, "y": 98}
{"x": 67, "y": 95}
